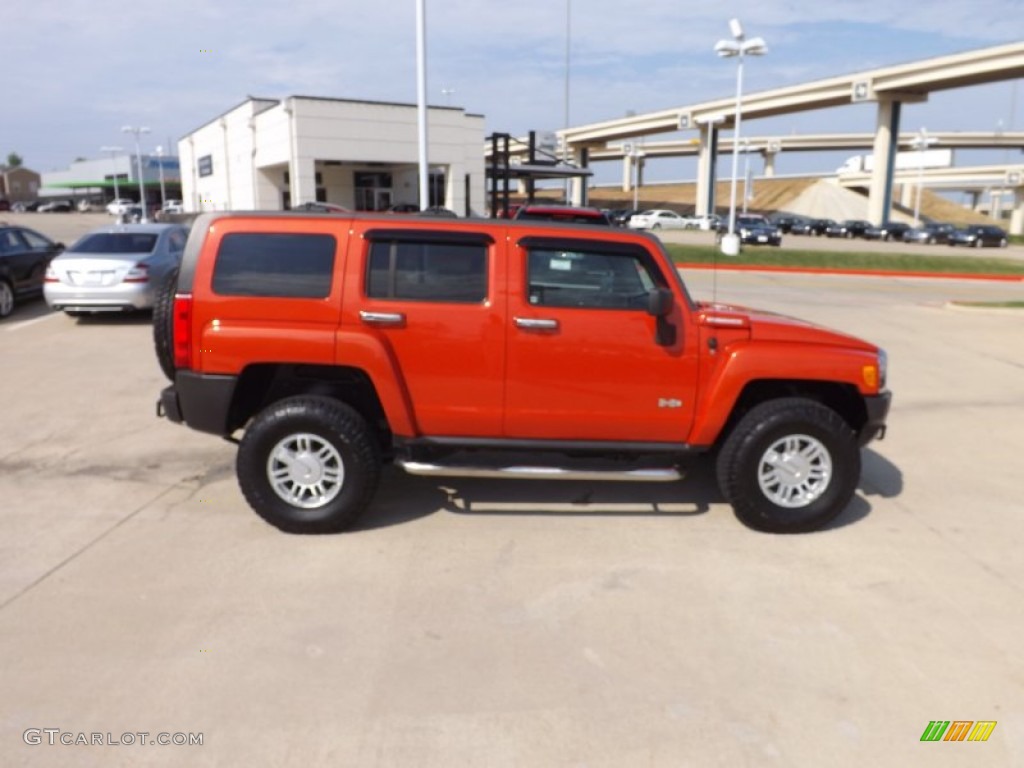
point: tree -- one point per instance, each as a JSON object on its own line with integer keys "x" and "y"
{"x": 13, "y": 159}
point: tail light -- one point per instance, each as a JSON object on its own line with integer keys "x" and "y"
{"x": 181, "y": 331}
{"x": 137, "y": 274}
{"x": 51, "y": 276}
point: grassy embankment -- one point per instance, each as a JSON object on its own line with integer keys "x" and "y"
{"x": 884, "y": 262}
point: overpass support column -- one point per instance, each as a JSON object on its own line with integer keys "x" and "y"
{"x": 578, "y": 186}
{"x": 769, "y": 163}
{"x": 707, "y": 159}
{"x": 886, "y": 131}
{"x": 629, "y": 162}
{"x": 1017, "y": 215}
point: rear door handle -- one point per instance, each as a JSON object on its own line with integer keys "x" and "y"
{"x": 382, "y": 318}
{"x": 536, "y": 323}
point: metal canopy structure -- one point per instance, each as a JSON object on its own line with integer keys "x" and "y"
{"x": 505, "y": 157}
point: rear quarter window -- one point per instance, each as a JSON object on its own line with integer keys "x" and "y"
{"x": 275, "y": 265}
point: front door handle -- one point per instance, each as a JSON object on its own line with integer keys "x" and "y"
{"x": 536, "y": 323}
{"x": 382, "y": 318}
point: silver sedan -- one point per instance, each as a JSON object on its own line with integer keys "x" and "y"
{"x": 114, "y": 269}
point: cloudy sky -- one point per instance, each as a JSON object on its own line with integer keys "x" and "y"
{"x": 77, "y": 70}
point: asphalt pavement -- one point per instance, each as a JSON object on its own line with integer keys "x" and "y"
{"x": 507, "y": 623}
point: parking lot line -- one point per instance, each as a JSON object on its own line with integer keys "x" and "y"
{"x": 33, "y": 321}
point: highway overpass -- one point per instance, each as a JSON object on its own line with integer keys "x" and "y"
{"x": 888, "y": 87}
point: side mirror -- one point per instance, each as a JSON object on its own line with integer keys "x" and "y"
{"x": 660, "y": 302}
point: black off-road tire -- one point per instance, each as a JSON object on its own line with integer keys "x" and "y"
{"x": 332, "y": 430}
{"x": 746, "y": 459}
{"x": 163, "y": 322}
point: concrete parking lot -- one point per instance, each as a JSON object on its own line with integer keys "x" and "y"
{"x": 500, "y": 623}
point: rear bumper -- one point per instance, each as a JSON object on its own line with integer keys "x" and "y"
{"x": 203, "y": 402}
{"x": 878, "y": 412}
{"x": 114, "y": 298}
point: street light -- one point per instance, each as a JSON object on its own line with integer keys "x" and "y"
{"x": 921, "y": 142}
{"x": 113, "y": 159}
{"x": 746, "y": 175}
{"x": 138, "y": 156}
{"x": 739, "y": 47}
{"x": 160, "y": 161}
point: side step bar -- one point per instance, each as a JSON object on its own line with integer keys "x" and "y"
{"x": 666, "y": 475}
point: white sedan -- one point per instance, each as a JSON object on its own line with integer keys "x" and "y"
{"x": 657, "y": 219}
{"x": 119, "y": 206}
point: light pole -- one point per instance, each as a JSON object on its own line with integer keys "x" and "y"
{"x": 746, "y": 174}
{"x": 739, "y": 47}
{"x": 421, "y": 101}
{"x": 160, "y": 161}
{"x": 113, "y": 159}
{"x": 921, "y": 142}
{"x": 568, "y": 62}
{"x": 138, "y": 155}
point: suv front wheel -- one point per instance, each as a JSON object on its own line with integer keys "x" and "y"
{"x": 308, "y": 464}
{"x": 789, "y": 465}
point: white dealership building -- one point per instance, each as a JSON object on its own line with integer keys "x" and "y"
{"x": 271, "y": 154}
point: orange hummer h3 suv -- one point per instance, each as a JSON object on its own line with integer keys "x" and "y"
{"x": 497, "y": 348}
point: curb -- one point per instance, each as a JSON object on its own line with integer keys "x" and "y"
{"x": 854, "y": 272}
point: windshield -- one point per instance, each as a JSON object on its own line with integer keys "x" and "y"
{"x": 116, "y": 242}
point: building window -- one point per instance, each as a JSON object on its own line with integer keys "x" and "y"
{"x": 442, "y": 272}
{"x": 275, "y": 265}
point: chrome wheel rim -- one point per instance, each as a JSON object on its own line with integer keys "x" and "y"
{"x": 795, "y": 471}
{"x": 6, "y": 300}
{"x": 305, "y": 471}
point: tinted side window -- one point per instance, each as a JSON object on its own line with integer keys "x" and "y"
{"x": 176, "y": 240}
{"x": 443, "y": 272}
{"x": 588, "y": 280}
{"x": 275, "y": 265}
{"x": 36, "y": 241}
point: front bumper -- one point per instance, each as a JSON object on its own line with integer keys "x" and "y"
{"x": 878, "y": 410}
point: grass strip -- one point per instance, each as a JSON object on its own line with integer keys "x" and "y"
{"x": 991, "y": 304}
{"x": 885, "y": 262}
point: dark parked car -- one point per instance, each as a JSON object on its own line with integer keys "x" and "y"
{"x": 320, "y": 208}
{"x": 815, "y": 227}
{"x": 784, "y": 223}
{"x": 57, "y": 206}
{"x": 929, "y": 234}
{"x": 24, "y": 256}
{"x": 848, "y": 228}
{"x": 439, "y": 210}
{"x": 403, "y": 208}
{"x": 979, "y": 235}
{"x": 620, "y": 216}
{"x": 890, "y": 230}
{"x": 754, "y": 230}
{"x": 566, "y": 213}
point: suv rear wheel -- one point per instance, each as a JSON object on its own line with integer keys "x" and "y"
{"x": 308, "y": 464}
{"x": 163, "y": 323}
{"x": 789, "y": 465}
